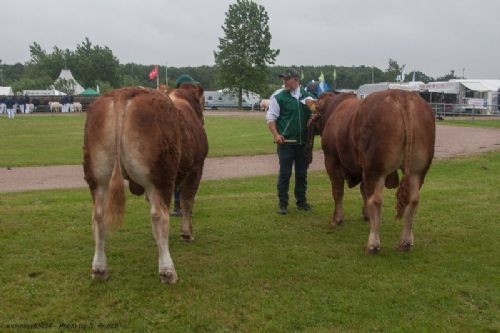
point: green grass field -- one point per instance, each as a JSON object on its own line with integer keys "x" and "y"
{"x": 495, "y": 123}
{"x": 252, "y": 270}
{"x": 37, "y": 140}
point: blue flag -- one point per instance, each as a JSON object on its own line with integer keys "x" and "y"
{"x": 322, "y": 86}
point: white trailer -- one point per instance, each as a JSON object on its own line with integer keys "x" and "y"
{"x": 223, "y": 98}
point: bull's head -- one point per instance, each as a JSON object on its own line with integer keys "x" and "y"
{"x": 318, "y": 108}
{"x": 197, "y": 91}
{"x": 316, "y": 123}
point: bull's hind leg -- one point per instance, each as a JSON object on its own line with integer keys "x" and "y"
{"x": 364, "y": 210}
{"x": 406, "y": 238}
{"x": 160, "y": 223}
{"x": 188, "y": 190}
{"x": 337, "y": 181}
{"x": 99, "y": 264}
{"x": 373, "y": 191}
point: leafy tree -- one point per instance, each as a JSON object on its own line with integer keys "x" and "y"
{"x": 11, "y": 73}
{"x": 393, "y": 70}
{"x": 104, "y": 86}
{"x": 419, "y": 76}
{"x": 66, "y": 86}
{"x": 451, "y": 75}
{"x": 43, "y": 63}
{"x": 92, "y": 63}
{"x": 244, "y": 52}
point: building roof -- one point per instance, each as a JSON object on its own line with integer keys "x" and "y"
{"x": 480, "y": 85}
{"x": 46, "y": 92}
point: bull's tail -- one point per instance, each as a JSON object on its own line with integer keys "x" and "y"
{"x": 115, "y": 205}
{"x": 403, "y": 193}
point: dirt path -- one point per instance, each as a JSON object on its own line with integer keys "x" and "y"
{"x": 451, "y": 141}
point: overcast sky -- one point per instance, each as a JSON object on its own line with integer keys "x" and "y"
{"x": 433, "y": 36}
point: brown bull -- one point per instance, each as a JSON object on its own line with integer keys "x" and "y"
{"x": 367, "y": 141}
{"x": 156, "y": 144}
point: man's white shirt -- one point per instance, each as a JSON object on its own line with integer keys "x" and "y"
{"x": 274, "y": 109}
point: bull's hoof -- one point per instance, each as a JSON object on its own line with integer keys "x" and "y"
{"x": 405, "y": 246}
{"x": 100, "y": 274}
{"x": 168, "y": 276}
{"x": 372, "y": 249}
{"x": 187, "y": 237}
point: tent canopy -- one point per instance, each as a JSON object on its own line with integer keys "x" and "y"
{"x": 68, "y": 76}
{"x": 89, "y": 92}
{"x": 6, "y": 91}
{"x": 478, "y": 86}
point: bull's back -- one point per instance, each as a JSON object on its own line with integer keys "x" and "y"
{"x": 385, "y": 121}
{"x": 150, "y": 140}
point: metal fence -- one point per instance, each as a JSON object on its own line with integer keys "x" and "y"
{"x": 442, "y": 110}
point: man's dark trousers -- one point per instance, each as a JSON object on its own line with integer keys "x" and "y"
{"x": 288, "y": 156}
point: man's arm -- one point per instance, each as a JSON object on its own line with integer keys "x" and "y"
{"x": 278, "y": 138}
{"x": 272, "y": 115}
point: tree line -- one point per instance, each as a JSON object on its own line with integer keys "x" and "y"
{"x": 244, "y": 60}
{"x": 92, "y": 73}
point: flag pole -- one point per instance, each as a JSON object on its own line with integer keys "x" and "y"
{"x": 158, "y": 79}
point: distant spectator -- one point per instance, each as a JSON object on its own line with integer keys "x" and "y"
{"x": 26, "y": 102}
{"x": 71, "y": 108}
{"x": 312, "y": 88}
{"x": 36, "y": 103}
{"x": 3, "y": 107}
{"x": 21, "y": 103}
{"x": 65, "y": 104}
{"x": 11, "y": 106}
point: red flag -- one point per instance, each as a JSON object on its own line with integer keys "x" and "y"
{"x": 153, "y": 73}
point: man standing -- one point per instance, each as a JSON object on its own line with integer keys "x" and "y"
{"x": 3, "y": 106}
{"x": 287, "y": 119}
{"x": 64, "y": 103}
{"x": 10, "y": 103}
{"x": 22, "y": 104}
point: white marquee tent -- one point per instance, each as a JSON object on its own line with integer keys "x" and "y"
{"x": 67, "y": 76}
{"x": 6, "y": 91}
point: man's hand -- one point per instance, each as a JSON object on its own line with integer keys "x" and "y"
{"x": 279, "y": 139}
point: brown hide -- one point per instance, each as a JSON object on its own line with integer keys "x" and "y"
{"x": 194, "y": 143}
{"x": 368, "y": 141}
{"x": 156, "y": 136}
{"x": 373, "y": 134}
{"x": 157, "y": 143}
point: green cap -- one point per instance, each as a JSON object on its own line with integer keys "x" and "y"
{"x": 184, "y": 78}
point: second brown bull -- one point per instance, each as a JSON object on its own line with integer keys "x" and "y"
{"x": 366, "y": 142}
